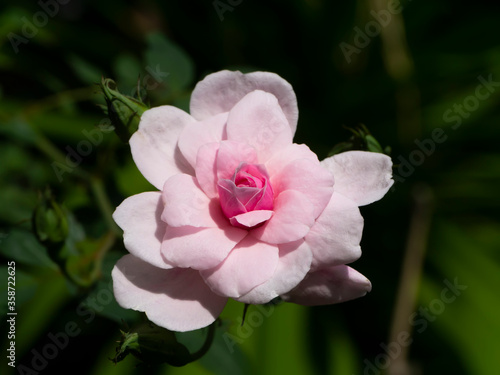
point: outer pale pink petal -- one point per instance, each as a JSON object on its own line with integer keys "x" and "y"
{"x": 307, "y": 177}
{"x": 206, "y": 169}
{"x": 335, "y": 236}
{"x": 328, "y": 286}
{"x": 176, "y": 299}
{"x": 199, "y": 248}
{"x": 293, "y": 218}
{"x": 252, "y": 218}
{"x": 186, "y": 204}
{"x": 251, "y": 263}
{"x": 219, "y": 92}
{"x": 200, "y": 133}
{"x": 362, "y": 176}
{"x": 293, "y": 266}
{"x": 154, "y": 146}
{"x": 289, "y": 154}
{"x": 143, "y": 230}
{"x": 258, "y": 120}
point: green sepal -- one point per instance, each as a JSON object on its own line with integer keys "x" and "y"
{"x": 362, "y": 140}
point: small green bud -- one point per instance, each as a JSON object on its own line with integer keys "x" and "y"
{"x": 49, "y": 221}
{"x": 124, "y": 111}
{"x": 152, "y": 345}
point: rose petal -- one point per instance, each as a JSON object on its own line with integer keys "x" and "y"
{"x": 176, "y": 299}
{"x": 219, "y": 92}
{"x": 293, "y": 218}
{"x": 363, "y": 177}
{"x": 289, "y": 154}
{"x": 293, "y": 266}
{"x": 154, "y": 145}
{"x": 199, "y": 248}
{"x": 200, "y": 133}
{"x": 143, "y": 230}
{"x": 328, "y": 286}
{"x": 258, "y": 120}
{"x": 230, "y": 155}
{"x": 335, "y": 236}
{"x": 186, "y": 204}
{"x": 249, "y": 264}
{"x": 234, "y": 199}
{"x": 206, "y": 169}
{"x": 307, "y": 177}
{"x": 252, "y": 218}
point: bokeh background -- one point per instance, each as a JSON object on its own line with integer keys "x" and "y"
{"x": 434, "y": 65}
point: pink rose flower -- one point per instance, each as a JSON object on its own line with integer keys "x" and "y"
{"x": 242, "y": 212}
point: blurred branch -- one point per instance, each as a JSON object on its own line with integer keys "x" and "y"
{"x": 57, "y": 100}
{"x": 411, "y": 273}
{"x": 399, "y": 65}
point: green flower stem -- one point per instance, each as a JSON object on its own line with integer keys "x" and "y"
{"x": 411, "y": 272}
{"x": 207, "y": 344}
{"x": 48, "y": 148}
{"x": 104, "y": 204}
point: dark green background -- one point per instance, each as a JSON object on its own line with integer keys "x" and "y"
{"x": 47, "y": 100}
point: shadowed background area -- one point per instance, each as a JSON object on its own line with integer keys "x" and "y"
{"x": 423, "y": 76}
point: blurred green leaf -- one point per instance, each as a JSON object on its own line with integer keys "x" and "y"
{"x": 87, "y": 72}
{"x": 128, "y": 70}
{"x": 35, "y": 315}
{"x": 129, "y": 180}
{"x": 25, "y": 287}
{"x": 462, "y": 257}
{"x": 22, "y": 246}
{"x": 222, "y": 361}
{"x": 104, "y": 286}
{"x": 164, "y": 55}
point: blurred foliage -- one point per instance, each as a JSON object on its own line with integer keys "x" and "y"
{"x": 53, "y": 134}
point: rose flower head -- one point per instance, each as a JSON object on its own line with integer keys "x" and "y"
{"x": 242, "y": 212}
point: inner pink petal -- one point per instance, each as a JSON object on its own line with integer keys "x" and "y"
{"x": 251, "y": 219}
{"x": 249, "y": 189}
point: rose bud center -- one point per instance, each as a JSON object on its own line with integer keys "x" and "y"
{"x": 249, "y": 190}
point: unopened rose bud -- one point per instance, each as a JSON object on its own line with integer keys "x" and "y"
{"x": 124, "y": 111}
{"x": 152, "y": 345}
{"x": 49, "y": 221}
